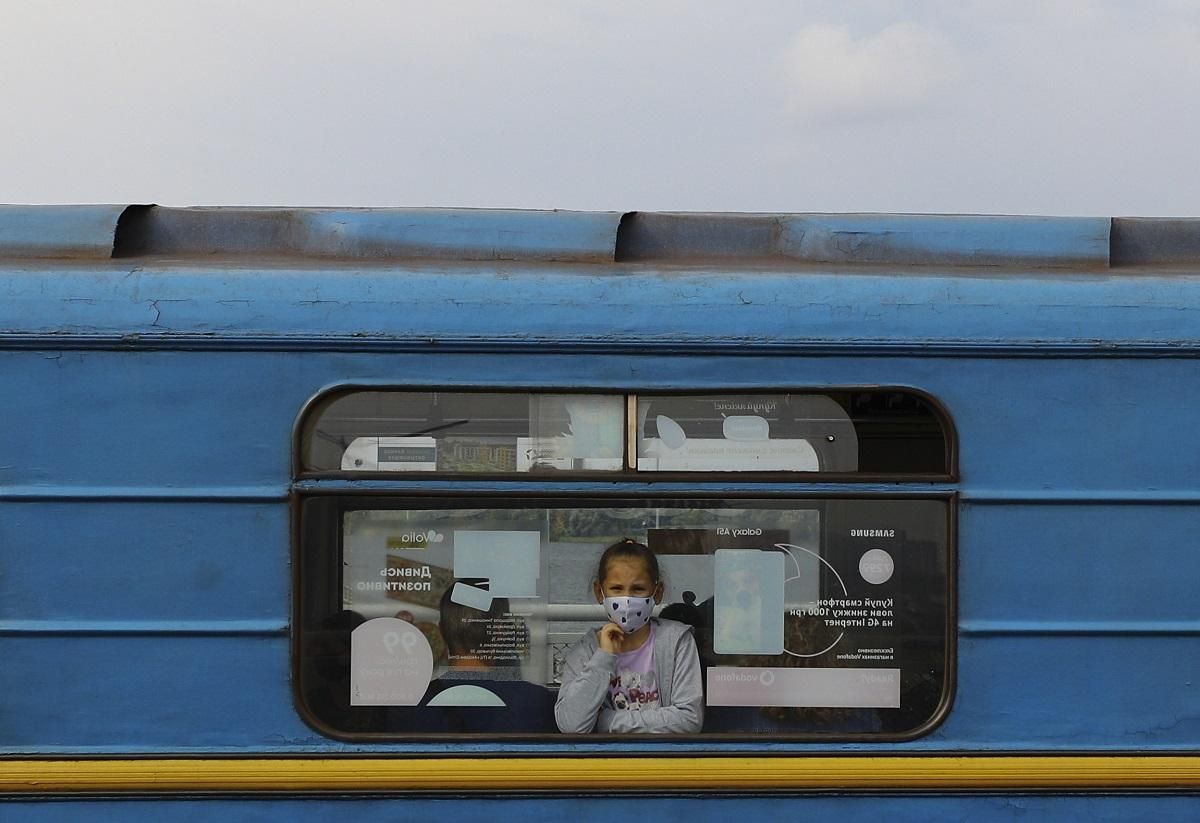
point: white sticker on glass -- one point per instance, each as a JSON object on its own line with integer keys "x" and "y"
{"x": 466, "y": 695}
{"x": 749, "y": 602}
{"x": 509, "y": 560}
{"x": 472, "y": 597}
{"x": 391, "y": 663}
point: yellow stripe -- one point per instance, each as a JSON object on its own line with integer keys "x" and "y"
{"x": 753, "y": 774}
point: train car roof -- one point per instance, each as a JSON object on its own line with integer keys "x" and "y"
{"x": 316, "y": 276}
{"x": 330, "y": 234}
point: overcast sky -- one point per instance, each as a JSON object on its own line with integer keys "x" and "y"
{"x": 1072, "y": 107}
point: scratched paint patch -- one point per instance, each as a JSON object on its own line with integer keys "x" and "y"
{"x": 391, "y": 663}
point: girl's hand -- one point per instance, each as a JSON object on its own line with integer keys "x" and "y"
{"x": 611, "y": 638}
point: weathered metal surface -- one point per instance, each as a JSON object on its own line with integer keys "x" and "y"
{"x": 84, "y": 232}
{"x": 869, "y": 239}
{"x": 720, "y": 305}
{"x": 358, "y": 234}
{"x": 144, "y": 536}
{"x": 1139, "y": 241}
{"x": 894, "y": 240}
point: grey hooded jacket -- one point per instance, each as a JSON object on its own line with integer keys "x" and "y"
{"x": 587, "y": 670}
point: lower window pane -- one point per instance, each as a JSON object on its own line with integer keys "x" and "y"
{"x": 822, "y": 617}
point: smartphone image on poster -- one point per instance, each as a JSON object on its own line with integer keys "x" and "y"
{"x": 748, "y": 602}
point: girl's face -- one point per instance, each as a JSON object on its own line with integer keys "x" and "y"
{"x": 627, "y": 577}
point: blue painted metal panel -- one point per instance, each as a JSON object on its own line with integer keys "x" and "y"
{"x": 470, "y": 235}
{"x": 1074, "y": 692}
{"x": 896, "y": 808}
{"x": 462, "y": 234}
{"x": 178, "y": 421}
{"x": 1077, "y": 628}
{"x": 160, "y": 692}
{"x": 58, "y": 231}
{"x": 670, "y": 306}
{"x": 192, "y": 420}
{"x": 1081, "y": 567}
{"x": 948, "y": 239}
{"x": 1075, "y": 426}
{"x": 66, "y": 565}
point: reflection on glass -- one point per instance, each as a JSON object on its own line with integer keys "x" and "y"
{"x": 543, "y": 561}
{"x": 871, "y": 431}
{"x": 748, "y": 602}
{"x": 745, "y": 433}
{"x": 824, "y": 616}
{"x": 466, "y": 433}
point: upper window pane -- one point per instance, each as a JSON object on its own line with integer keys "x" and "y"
{"x": 465, "y": 432}
{"x": 751, "y": 432}
{"x": 880, "y": 432}
{"x": 871, "y": 431}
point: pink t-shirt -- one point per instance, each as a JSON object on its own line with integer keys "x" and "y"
{"x": 634, "y": 685}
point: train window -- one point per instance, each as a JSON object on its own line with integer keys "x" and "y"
{"x": 821, "y": 617}
{"x": 780, "y": 432}
{"x": 453, "y": 609}
{"x": 868, "y": 432}
{"x": 465, "y": 432}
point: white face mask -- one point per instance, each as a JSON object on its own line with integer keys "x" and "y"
{"x": 630, "y": 613}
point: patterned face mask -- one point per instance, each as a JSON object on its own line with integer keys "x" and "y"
{"x": 630, "y": 613}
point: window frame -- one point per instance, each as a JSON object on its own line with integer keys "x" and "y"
{"x": 459, "y": 498}
{"x": 626, "y": 474}
{"x": 469, "y": 489}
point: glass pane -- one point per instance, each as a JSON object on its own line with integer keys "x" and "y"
{"x": 808, "y": 617}
{"x": 465, "y": 432}
{"x": 745, "y": 433}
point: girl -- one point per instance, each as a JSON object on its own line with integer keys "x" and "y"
{"x": 637, "y": 673}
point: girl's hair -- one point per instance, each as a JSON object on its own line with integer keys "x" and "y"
{"x": 629, "y": 548}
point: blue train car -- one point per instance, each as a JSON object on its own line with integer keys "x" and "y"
{"x": 301, "y": 509}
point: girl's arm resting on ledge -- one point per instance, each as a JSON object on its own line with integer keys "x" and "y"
{"x": 583, "y": 691}
{"x": 685, "y": 715}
